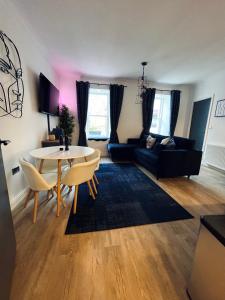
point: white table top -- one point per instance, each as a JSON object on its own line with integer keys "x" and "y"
{"x": 54, "y": 153}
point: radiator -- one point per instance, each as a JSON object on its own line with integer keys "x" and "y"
{"x": 215, "y": 156}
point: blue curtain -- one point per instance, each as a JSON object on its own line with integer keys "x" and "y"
{"x": 175, "y": 104}
{"x": 148, "y": 98}
{"x": 82, "y": 107}
{"x": 116, "y": 100}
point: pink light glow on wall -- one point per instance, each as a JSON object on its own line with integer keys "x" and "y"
{"x": 66, "y": 79}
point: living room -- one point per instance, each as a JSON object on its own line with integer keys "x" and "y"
{"x": 140, "y": 223}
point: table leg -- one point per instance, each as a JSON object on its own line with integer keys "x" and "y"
{"x": 58, "y": 187}
{"x": 41, "y": 165}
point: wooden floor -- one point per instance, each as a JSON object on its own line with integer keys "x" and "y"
{"x": 145, "y": 262}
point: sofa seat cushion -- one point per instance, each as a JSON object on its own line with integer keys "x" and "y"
{"x": 147, "y": 154}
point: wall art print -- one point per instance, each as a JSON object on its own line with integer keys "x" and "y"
{"x": 11, "y": 81}
{"x": 220, "y": 108}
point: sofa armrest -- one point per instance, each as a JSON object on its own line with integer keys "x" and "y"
{"x": 135, "y": 141}
{"x": 179, "y": 162}
{"x": 193, "y": 162}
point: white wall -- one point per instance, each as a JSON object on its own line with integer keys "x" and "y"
{"x": 214, "y": 84}
{"x": 25, "y": 133}
{"x": 130, "y": 123}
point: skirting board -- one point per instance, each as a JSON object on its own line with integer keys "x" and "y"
{"x": 214, "y": 168}
{"x": 18, "y": 200}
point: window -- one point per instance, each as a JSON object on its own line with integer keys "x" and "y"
{"x": 161, "y": 114}
{"x": 98, "y": 117}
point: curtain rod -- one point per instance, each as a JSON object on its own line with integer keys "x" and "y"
{"x": 107, "y": 84}
{"x": 163, "y": 90}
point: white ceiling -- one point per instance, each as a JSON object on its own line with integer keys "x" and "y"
{"x": 183, "y": 40}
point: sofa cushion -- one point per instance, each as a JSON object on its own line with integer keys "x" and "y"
{"x": 143, "y": 141}
{"x": 183, "y": 143}
{"x": 147, "y": 154}
{"x": 165, "y": 141}
{"x": 171, "y": 145}
{"x": 150, "y": 142}
{"x": 158, "y": 147}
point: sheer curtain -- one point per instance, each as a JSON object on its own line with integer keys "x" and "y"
{"x": 161, "y": 114}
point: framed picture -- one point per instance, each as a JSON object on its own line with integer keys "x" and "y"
{"x": 220, "y": 108}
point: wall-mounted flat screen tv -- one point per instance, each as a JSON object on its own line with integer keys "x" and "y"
{"x": 48, "y": 97}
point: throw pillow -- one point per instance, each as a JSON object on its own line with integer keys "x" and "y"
{"x": 150, "y": 142}
{"x": 170, "y": 145}
{"x": 165, "y": 141}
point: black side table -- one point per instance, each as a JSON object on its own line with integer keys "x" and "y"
{"x": 48, "y": 143}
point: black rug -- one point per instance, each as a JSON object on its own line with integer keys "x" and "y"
{"x": 126, "y": 197}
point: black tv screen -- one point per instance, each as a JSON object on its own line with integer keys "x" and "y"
{"x": 48, "y": 97}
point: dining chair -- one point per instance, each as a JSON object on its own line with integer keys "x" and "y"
{"x": 78, "y": 174}
{"x": 50, "y": 166}
{"x": 37, "y": 182}
{"x": 96, "y": 154}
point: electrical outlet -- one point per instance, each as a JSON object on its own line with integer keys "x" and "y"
{"x": 15, "y": 170}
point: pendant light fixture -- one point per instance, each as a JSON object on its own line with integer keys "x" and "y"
{"x": 142, "y": 84}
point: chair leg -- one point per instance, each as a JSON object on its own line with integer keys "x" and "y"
{"x": 48, "y": 194}
{"x": 94, "y": 186}
{"x": 27, "y": 198}
{"x": 63, "y": 187}
{"x": 96, "y": 179}
{"x": 35, "y": 207}
{"x": 75, "y": 199}
{"x": 70, "y": 189}
{"x": 90, "y": 189}
{"x": 61, "y": 198}
{"x": 63, "y": 202}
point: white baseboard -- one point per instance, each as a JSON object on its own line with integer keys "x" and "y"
{"x": 17, "y": 200}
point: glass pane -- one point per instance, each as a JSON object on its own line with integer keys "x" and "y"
{"x": 165, "y": 115}
{"x": 97, "y": 127}
{"x": 98, "y": 102}
{"x": 161, "y": 114}
{"x": 156, "y": 116}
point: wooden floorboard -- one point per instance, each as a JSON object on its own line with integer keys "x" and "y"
{"x": 151, "y": 262}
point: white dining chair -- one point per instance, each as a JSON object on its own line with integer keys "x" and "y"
{"x": 50, "y": 166}
{"x": 78, "y": 174}
{"x": 96, "y": 154}
{"x": 37, "y": 182}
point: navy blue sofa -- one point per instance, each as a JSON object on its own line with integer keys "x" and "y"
{"x": 184, "y": 160}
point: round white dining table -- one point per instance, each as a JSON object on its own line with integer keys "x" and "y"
{"x": 54, "y": 153}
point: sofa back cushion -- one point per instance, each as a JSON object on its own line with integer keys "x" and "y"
{"x": 181, "y": 143}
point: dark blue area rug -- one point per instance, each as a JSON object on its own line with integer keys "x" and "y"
{"x": 126, "y": 197}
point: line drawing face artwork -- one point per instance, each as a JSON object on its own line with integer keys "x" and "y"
{"x": 220, "y": 108}
{"x": 11, "y": 81}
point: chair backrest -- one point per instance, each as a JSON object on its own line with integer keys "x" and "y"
{"x": 80, "y": 173}
{"x": 35, "y": 180}
{"x": 96, "y": 154}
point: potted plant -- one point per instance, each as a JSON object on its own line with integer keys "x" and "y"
{"x": 66, "y": 121}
